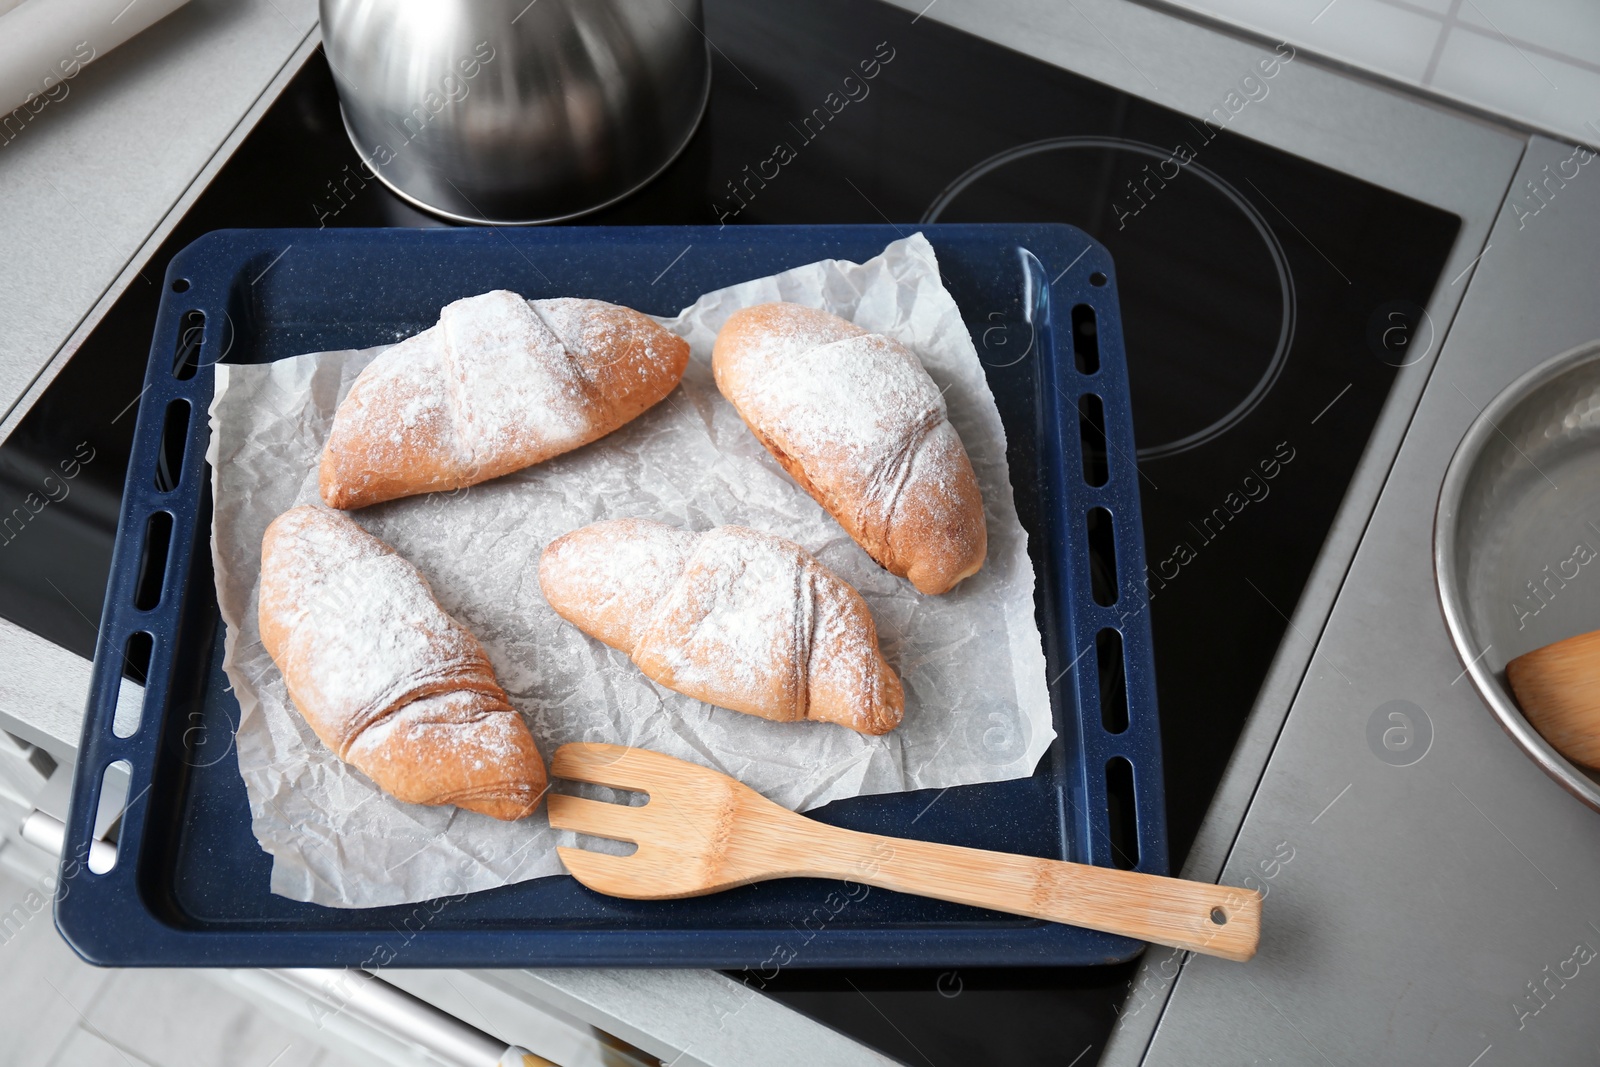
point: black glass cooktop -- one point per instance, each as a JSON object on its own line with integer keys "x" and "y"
{"x": 1266, "y": 301}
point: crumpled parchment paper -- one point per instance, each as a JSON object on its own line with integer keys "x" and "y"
{"x": 977, "y": 709}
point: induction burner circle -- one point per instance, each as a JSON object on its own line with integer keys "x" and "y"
{"x": 1234, "y": 408}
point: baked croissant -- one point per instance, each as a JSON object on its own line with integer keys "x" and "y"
{"x": 855, "y": 419}
{"x": 388, "y": 681}
{"x": 500, "y": 383}
{"x": 732, "y": 616}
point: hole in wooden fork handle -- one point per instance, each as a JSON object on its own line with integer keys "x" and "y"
{"x": 1219, "y": 916}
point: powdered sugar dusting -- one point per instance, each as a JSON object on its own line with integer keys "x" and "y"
{"x": 735, "y": 629}
{"x": 408, "y": 392}
{"x": 614, "y": 573}
{"x": 603, "y": 340}
{"x": 361, "y": 623}
{"x": 846, "y": 672}
{"x": 745, "y": 620}
{"x": 473, "y": 745}
{"x": 518, "y": 388}
{"x": 851, "y": 410}
{"x": 497, "y": 384}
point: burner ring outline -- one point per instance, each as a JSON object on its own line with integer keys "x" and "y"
{"x": 1280, "y": 263}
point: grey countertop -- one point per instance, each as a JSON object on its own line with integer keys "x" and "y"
{"x": 1403, "y": 923}
{"x": 93, "y": 177}
{"x": 1411, "y": 900}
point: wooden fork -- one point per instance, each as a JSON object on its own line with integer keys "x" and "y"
{"x": 701, "y": 832}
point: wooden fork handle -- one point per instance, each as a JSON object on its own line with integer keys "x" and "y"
{"x": 1212, "y": 919}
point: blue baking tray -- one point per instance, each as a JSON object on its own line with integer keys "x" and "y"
{"x": 190, "y": 885}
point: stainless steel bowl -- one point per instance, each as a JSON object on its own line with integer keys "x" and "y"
{"x": 1516, "y": 542}
{"x": 517, "y": 112}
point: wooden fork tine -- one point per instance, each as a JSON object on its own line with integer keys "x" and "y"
{"x": 600, "y": 764}
{"x": 600, "y": 871}
{"x": 621, "y": 767}
{"x": 597, "y": 818}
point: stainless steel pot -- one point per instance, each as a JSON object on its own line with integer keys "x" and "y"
{"x": 1516, "y": 540}
{"x": 517, "y": 112}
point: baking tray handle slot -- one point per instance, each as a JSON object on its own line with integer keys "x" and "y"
{"x": 108, "y": 811}
{"x": 130, "y": 699}
{"x": 174, "y": 442}
{"x": 1102, "y": 558}
{"x": 153, "y": 560}
{"x": 1092, "y": 436}
{"x": 1085, "y": 340}
{"x": 1113, "y": 680}
{"x": 1122, "y": 813}
{"x": 191, "y": 336}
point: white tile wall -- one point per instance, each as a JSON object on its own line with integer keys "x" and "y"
{"x": 1568, "y": 27}
{"x": 1549, "y": 92}
{"x": 1536, "y": 62}
{"x": 1393, "y": 39}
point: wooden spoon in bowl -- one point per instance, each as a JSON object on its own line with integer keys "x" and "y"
{"x": 1558, "y": 688}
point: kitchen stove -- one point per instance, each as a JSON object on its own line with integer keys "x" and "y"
{"x": 1267, "y": 303}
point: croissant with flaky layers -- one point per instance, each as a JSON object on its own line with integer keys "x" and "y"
{"x": 384, "y": 677}
{"x": 855, "y": 419}
{"x": 498, "y": 384}
{"x": 732, "y": 616}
